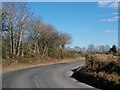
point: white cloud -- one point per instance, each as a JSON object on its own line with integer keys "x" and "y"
{"x": 114, "y": 5}
{"x": 115, "y": 13}
{"x": 108, "y": 4}
{"x": 115, "y": 18}
{"x": 102, "y": 3}
{"x": 109, "y": 31}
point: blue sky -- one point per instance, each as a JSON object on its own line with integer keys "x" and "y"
{"x": 87, "y": 22}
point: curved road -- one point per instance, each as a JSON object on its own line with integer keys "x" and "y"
{"x": 50, "y": 76}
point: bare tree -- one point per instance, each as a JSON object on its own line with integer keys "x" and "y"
{"x": 8, "y": 23}
{"x": 77, "y": 48}
{"x": 91, "y": 48}
{"x": 102, "y": 49}
{"x": 22, "y": 23}
{"x": 14, "y": 21}
{"x": 107, "y": 47}
{"x": 84, "y": 50}
{"x": 24, "y": 33}
{"x": 64, "y": 39}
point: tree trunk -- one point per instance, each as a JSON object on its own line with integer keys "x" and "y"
{"x": 38, "y": 51}
{"x": 35, "y": 46}
{"x": 44, "y": 50}
{"x": 11, "y": 42}
{"x": 22, "y": 50}
{"x": 19, "y": 43}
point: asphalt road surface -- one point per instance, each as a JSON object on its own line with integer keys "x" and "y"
{"x": 50, "y": 76}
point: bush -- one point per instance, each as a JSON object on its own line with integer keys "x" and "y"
{"x": 28, "y": 54}
{"x": 54, "y": 52}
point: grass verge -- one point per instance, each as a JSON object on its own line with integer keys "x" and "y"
{"x": 9, "y": 65}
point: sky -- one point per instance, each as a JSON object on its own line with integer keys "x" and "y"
{"x": 87, "y": 22}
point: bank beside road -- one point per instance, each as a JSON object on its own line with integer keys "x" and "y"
{"x": 100, "y": 72}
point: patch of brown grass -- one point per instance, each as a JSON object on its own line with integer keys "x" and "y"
{"x": 8, "y": 65}
{"x": 100, "y": 69}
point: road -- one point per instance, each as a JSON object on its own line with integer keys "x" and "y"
{"x": 50, "y": 76}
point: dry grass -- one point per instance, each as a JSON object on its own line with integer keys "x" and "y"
{"x": 7, "y": 66}
{"x": 103, "y": 57}
{"x": 100, "y": 69}
{"x": 106, "y": 57}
